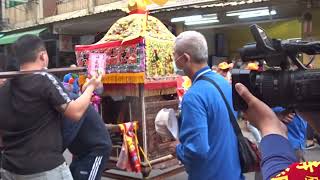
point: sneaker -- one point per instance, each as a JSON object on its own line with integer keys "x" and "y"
{"x": 310, "y": 146}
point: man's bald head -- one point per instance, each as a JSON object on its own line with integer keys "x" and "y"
{"x": 194, "y": 44}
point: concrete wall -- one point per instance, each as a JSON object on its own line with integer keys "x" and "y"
{"x": 49, "y": 8}
{"x": 22, "y": 13}
{"x": 48, "y": 11}
{"x": 101, "y": 2}
{"x": 72, "y": 6}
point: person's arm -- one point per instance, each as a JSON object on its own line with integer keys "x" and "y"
{"x": 99, "y": 89}
{"x": 76, "y": 108}
{"x": 193, "y": 133}
{"x": 277, "y": 154}
{"x": 57, "y": 96}
{"x": 260, "y": 115}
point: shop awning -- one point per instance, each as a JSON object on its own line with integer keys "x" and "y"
{"x": 11, "y": 38}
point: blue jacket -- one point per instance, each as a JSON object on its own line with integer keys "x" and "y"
{"x": 277, "y": 155}
{"x": 208, "y": 146}
{"x": 297, "y": 130}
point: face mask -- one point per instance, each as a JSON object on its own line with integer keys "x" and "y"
{"x": 175, "y": 68}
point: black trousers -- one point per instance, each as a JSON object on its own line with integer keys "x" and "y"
{"x": 89, "y": 142}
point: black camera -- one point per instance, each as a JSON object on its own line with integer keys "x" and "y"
{"x": 279, "y": 85}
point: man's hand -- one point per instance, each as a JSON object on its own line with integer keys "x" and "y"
{"x": 260, "y": 115}
{"x": 94, "y": 82}
{"x": 286, "y": 117}
{"x": 75, "y": 109}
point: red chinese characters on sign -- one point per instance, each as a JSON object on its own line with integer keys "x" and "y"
{"x": 303, "y": 171}
{"x": 97, "y": 63}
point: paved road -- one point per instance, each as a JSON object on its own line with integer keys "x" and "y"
{"x": 313, "y": 154}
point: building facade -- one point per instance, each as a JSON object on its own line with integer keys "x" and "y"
{"x": 61, "y": 23}
{"x": 64, "y": 23}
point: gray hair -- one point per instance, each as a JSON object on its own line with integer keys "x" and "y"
{"x": 194, "y": 44}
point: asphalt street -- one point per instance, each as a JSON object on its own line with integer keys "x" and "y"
{"x": 313, "y": 154}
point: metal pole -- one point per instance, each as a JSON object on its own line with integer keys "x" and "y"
{"x": 143, "y": 116}
{"x": 13, "y": 74}
{"x": 130, "y": 111}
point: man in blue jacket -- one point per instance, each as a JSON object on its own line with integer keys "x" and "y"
{"x": 208, "y": 145}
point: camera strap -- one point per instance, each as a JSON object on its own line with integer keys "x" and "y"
{"x": 232, "y": 118}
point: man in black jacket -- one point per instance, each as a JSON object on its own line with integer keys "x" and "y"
{"x": 36, "y": 106}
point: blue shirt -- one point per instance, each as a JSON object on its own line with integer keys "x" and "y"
{"x": 277, "y": 154}
{"x": 208, "y": 146}
{"x": 296, "y": 130}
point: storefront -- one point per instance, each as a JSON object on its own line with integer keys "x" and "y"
{"x": 83, "y": 30}
{"x": 226, "y": 25}
{"x": 44, "y": 33}
{"x": 61, "y": 37}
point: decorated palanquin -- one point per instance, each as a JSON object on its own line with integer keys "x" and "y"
{"x": 139, "y": 49}
{"x": 139, "y": 81}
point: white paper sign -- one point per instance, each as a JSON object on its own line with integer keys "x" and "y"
{"x": 97, "y": 63}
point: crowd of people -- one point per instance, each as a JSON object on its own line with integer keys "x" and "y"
{"x": 40, "y": 118}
